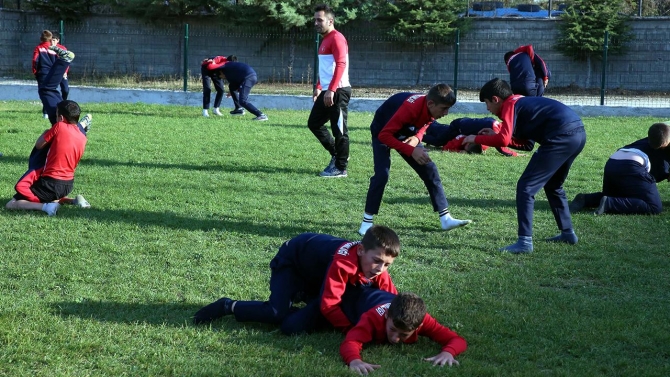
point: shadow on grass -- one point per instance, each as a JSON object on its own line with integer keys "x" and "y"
{"x": 170, "y": 314}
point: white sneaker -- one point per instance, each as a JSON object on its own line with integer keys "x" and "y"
{"x": 50, "y": 208}
{"x": 45, "y": 116}
{"x": 205, "y": 113}
{"x": 86, "y": 121}
{"x": 450, "y": 223}
{"x": 364, "y": 227}
{"x": 81, "y": 202}
{"x": 261, "y": 118}
{"x": 217, "y": 112}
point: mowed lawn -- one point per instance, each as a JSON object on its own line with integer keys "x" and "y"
{"x": 187, "y": 209}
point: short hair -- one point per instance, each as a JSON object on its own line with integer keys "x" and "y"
{"x": 441, "y": 94}
{"x": 231, "y": 58}
{"x": 659, "y": 135}
{"x": 55, "y": 35}
{"x": 69, "y": 110}
{"x": 407, "y": 311}
{"x": 495, "y": 87}
{"x": 46, "y": 36}
{"x": 508, "y": 55}
{"x": 474, "y": 148}
{"x": 384, "y": 237}
{"x": 327, "y": 10}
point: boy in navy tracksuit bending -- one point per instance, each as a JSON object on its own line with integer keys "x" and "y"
{"x": 241, "y": 78}
{"x": 320, "y": 270}
{"x": 560, "y": 133}
{"x": 400, "y": 123}
{"x": 388, "y": 318}
{"x": 528, "y": 73}
{"x": 631, "y": 173}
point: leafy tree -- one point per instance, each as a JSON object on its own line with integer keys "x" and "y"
{"x": 68, "y": 10}
{"x": 423, "y": 22}
{"x": 160, "y": 9}
{"x": 583, "y": 26}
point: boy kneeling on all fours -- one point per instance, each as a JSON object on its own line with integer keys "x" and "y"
{"x": 394, "y": 319}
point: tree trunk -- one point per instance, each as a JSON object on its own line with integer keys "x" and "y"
{"x": 291, "y": 54}
{"x": 422, "y": 64}
{"x": 587, "y": 84}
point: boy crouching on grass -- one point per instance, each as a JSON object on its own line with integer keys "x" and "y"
{"x": 317, "y": 269}
{"x": 398, "y": 319}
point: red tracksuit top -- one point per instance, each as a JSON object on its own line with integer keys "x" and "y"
{"x": 456, "y": 144}
{"x": 413, "y": 112}
{"x": 67, "y": 147}
{"x": 372, "y": 327}
{"x": 343, "y": 271}
{"x": 43, "y": 58}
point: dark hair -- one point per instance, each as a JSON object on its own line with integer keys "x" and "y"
{"x": 659, "y": 135}
{"x": 384, "y": 237}
{"x": 231, "y": 58}
{"x": 441, "y": 94}
{"x": 508, "y": 55}
{"x": 55, "y": 35}
{"x": 474, "y": 148}
{"x": 46, "y": 36}
{"x": 407, "y": 311}
{"x": 328, "y": 11}
{"x": 69, "y": 110}
{"x": 496, "y": 87}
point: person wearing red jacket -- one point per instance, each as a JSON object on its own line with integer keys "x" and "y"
{"x": 399, "y": 319}
{"x": 331, "y": 94}
{"x": 210, "y": 74}
{"x": 450, "y": 138}
{"x": 400, "y": 123}
{"x": 560, "y": 133}
{"x": 43, "y": 59}
{"x": 320, "y": 270}
{"x": 66, "y": 144}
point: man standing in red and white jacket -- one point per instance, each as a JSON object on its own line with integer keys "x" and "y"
{"x": 332, "y": 93}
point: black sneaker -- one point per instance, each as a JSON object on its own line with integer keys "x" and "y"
{"x": 577, "y": 203}
{"x": 239, "y": 111}
{"x": 602, "y": 207}
{"x": 215, "y": 310}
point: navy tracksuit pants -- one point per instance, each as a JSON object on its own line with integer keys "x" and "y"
{"x": 48, "y": 88}
{"x": 548, "y": 168}
{"x": 629, "y": 188}
{"x": 207, "y": 81}
{"x": 381, "y": 155}
{"x": 244, "y": 89}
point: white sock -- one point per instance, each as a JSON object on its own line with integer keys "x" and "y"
{"x": 449, "y": 222}
{"x": 366, "y": 224}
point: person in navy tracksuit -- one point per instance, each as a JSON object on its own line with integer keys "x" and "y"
{"x": 630, "y": 176}
{"x": 321, "y": 270}
{"x": 64, "y": 84}
{"x": 528, "y": 73}
{"x": 43, "y": 59}
{"x": 241, "y": 78}
{"x": 560, "y": 133}
{"x": 49, "y": 81}
{"x": 400, "y": 123}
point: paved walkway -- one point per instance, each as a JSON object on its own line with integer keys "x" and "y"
{"x": 21, "y": 91}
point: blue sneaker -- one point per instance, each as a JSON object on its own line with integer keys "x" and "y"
{"x": 524, "y": 245}
{"x": 261, "y": 118}
{"x": 567, "y": 237}
{"x": 239, "y": 111}
{"x": 334, "y": 172}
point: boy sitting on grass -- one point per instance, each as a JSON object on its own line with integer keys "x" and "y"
{"x": 44, "y": 187}
{"x": 394, "y": 320}
{"x": 317, "y": 269}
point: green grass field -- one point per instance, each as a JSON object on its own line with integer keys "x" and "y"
{"x": 187, "y": 209}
